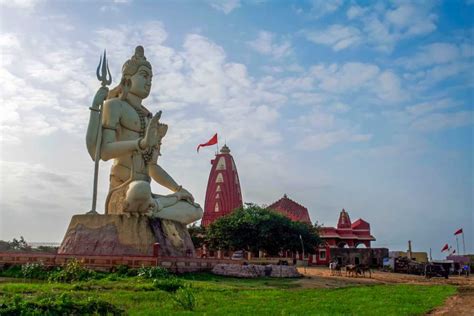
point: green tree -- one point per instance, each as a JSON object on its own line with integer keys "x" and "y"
{"x": 197, "y": 234}
{"x": 254, "y": 228}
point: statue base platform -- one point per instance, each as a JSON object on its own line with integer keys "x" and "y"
{"x": 123, "y": 235}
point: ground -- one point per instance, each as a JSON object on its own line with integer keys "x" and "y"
{"x": 317, "y": 293}
{"x": 462, "y": 303}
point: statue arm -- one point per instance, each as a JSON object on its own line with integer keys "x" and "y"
{"x": 94, "y": 121}
{"x": 111, "y": 148}
{"x": 162, "y": 177}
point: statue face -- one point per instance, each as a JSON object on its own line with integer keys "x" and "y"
{"x": 141, "y": 82}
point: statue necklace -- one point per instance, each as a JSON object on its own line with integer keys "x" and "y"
{"x": 147, "y": 154}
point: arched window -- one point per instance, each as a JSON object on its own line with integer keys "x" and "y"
{"x": 219, "y": 178}
{"x": 216, "y": 208}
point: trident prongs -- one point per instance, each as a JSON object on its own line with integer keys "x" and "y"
{"x": 103, "y": 67}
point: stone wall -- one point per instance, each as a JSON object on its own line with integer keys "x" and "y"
{"x": 367, "y": 256}
{"x": 255, "y": 271}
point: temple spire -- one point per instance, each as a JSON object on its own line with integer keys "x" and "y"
{"x": 223, "y": 193}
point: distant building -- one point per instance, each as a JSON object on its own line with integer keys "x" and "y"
{"x": 347, "y": 234}
{"x": 294, "y": 211}
{"x": 223, "y": 193}
{"x": 418, "y": 256}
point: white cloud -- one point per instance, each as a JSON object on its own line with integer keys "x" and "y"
{"x": 410, "y": 19}
{"x": 325, "y": 140}
{"x": 427, "y": 107}
{"x": 267, "y": 44}
{"x": 320, "y": 8}
{"x": 348, "y": 77}
{"x": 383, "y": 27}
{"x": 20, "y": 4}
{"x": 337, "y": 36}
{"x": 388, "y": 87}
{"x": 431, "y": 54}
{"x": 355, "y": 11}
{"x": 439, "y": 121}
{"x": 226, "y": 6}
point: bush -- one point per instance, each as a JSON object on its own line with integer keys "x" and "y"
{"x": 169, "y": 284}
{"x": 11, "y": 271}
{"x": 124, "y": 271}
{"x": 153, "y": 272}
{"x": 185, "y": 298}
{"x": 63, "y": 304}
{"x": 73, "y": 271}
{"x": 34, "y": 270}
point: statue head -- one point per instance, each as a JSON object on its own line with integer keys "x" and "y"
{"x": 136, "y": 77}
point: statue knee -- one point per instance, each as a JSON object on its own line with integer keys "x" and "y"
{"x": 138, "y": 198}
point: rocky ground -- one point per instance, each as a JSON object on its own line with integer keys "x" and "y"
{"x": 460, "y": 304}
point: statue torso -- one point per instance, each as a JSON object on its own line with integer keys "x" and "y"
{"x": 130, "y": 127}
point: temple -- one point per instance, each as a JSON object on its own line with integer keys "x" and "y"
{"x": 223, "y": 193}
{"x": 291, "y": 209}
{"x": 347, "y": 234}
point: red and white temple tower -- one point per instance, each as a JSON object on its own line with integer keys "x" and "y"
{"x": 223, "y": 194}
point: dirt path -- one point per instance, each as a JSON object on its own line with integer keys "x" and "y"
{"x": 460, "y": 304}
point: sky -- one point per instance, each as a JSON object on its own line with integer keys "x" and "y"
{"x": 366, "y": 106}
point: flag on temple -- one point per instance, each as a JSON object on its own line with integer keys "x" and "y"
{"x": 446, "y": 247}
{"x": 211, "y": 141}
{"x": 459, "y": 231}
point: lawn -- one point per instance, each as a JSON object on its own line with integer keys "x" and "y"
{"x": 215, "y": 295}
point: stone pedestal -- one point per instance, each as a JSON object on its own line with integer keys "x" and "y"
{"x": 121, "y": 235}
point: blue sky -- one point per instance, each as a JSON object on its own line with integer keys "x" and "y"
{"x": 361, "y": 105}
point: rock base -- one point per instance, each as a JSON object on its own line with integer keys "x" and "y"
{"x": 122, "y": 235}
{"x": 256, "y": 271}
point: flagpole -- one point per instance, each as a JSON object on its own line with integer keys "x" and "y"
{"x": 457, "y": 244}
{"x": 463, "y": 244}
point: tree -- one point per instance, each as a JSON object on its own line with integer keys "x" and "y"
{"x": 254, "y": 228}
{"x": 197, "y": 234}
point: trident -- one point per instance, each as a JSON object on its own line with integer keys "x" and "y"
{"x": 102, "y": 72}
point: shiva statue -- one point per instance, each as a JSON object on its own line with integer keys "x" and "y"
{"x": 132, "y": 136}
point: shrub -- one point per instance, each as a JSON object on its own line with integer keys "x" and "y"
{"x": 124, "y": 271}
{"x": 153, "y": 272}
{"x": 73, "y": 271}
{"x": 171, "y": 284}
{"x": 63, "y": 304}
{"x": 34, "y": 270}
{"x": 185, "y": 298}
{"x": 11, "y": 271}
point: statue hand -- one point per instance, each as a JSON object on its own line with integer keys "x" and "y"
{"x": 99, "y": 97}
{"x": 183, "y": 194}
{"x": 161, "y": 130}
{"x": 152, "y": 138}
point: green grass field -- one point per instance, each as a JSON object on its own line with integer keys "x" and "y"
{"x": 216, "y": 295}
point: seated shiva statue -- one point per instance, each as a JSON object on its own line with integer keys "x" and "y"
{"x": 132, "y": 136}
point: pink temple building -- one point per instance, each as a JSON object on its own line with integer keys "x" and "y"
{"x": 291, "y": 209}
{"x": 223, "y": 193}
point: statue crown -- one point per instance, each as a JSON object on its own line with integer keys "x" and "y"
{"x": 130, "y": 67}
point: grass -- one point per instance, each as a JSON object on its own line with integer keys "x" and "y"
{"x": 216, "y": 295}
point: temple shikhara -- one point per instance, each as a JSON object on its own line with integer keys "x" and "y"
{"x": 223, "y": 194}
{"x": 294, "y": 211}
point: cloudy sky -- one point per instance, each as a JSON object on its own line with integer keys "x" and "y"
{"x": 339, "y": 104}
